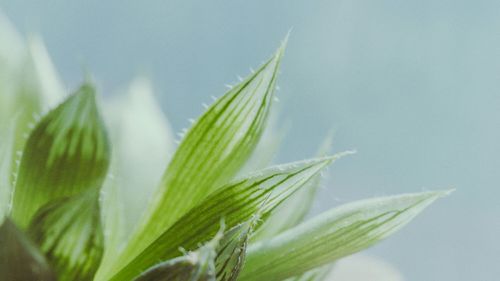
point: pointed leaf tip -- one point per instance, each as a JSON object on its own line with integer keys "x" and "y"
{"x": 253, "y": 196}
{"x": 197, "y": 265}
{"x": 334, "y": 234}
{"x": 295, "y": 208}
{"x": 232, "y": 250}
{"x": 212, "y": 152}
{"x": 66, "y": 153}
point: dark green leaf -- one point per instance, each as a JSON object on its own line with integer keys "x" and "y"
{"x": 232, "y": 249}
{"x": 69, "y": 232}
{"x": 67, "y": 153}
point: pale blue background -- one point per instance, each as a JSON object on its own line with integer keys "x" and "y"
{"x": 413, "y": 85}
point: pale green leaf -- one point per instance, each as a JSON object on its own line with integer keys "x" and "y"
{"x": 113, "y": 222}
{"x": 66, "y": 153}
{"x": 29, "y": 83}
{"x": 142, "y": 143}
{"x": 69, "y": 232}
{"x": 12, "y": 54}
{"x": 235, "y": 203}
{"x": 316, "y": 274}
{"x": 211, "y": 153}
{"x": 7, "y": 140}
{"x": 14, "y": 101}
{"x": 12, "y": 48}
{"x": 44, "y": 77}
{"x": 294, "y": 209}
{"x": 332, "y": 235}
{"x": 20, "y": 260}
{"x": 28, "y": 71}
{"x": 198, "y": 265}
{"x": 360, "y": 267}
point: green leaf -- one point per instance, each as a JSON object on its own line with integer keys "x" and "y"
{"x": 12, "y": 47}
{"x": 29, "y": 83}
{"x": 66, "y": 153}
{"x": 193, "y": 266}
{"x": 20, "y": 260}
{"x": 232, "y": 249}
{"x": 361, "y": 267}
{"x": 12, "y": 53}
{"x": 235, "y": 203}
{"x": 294, "y": 209}
{"x": 42, "y": 79}
{"x": 113, "y": 223}
{"x": 316, "y": 274}
{"x": 213, "y": 151}
{"x": 332, "y": 235}
{"x": 142, "y": 144}
{"x": 69, "y": 232}
{"x": 6, "y": 169}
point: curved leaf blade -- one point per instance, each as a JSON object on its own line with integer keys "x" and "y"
{"x": 198, "y": 265}
{"x": 66, "y": 153}
{"x": 332, "y": 235}
{"x": 232, "y": 249}
{"x": 235, "y": 203}
{"x": 212, "y": 152}
{"x": 7, "y": 143}
{"x": 142, "y": 144}
{"x": 43, "y": 78}
{"x": 69, "y": 232}
{"x": 12, "y": 53}
{"x": 113, "y": 223}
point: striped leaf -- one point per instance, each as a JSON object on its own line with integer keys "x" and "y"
{"x": 232, "y": 249}
{"x": 212, "y": 152}
{"x": 198, "y": 265}
{"x": 69, "y": 232}
{"x": 332, "y": 235}
{"x": 235, "y": 203}
{"x": 66, "y": 153}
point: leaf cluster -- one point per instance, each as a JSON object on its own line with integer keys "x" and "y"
{"x": 165, "y": 214}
